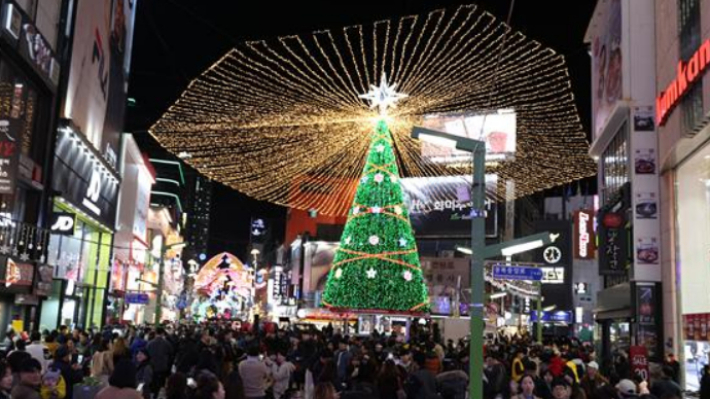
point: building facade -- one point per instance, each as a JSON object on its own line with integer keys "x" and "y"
{"x": 683, "y": 115}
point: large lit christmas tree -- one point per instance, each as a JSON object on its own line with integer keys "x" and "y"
{"x": 376, "y": 268}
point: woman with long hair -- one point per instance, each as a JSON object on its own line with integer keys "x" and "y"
{"x": 102, "y": 362}
{"x": 122, "y": 383}
{"x": 388, "y": 381}
{"x": 324, "y": 390}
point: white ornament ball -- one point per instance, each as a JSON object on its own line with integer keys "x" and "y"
{"x": 408, "y": 275}
{"x": 379, "y": 178}
{"x": 374, "y": 240}
{"x": 398, "y": 210}
{"x": 339, "y": 273}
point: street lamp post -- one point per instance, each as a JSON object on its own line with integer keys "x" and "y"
{"x": 161, "y": 279}
{"x": 479, "y": 251}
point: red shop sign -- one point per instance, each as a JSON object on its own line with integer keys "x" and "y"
{"x": 688, "y": 74}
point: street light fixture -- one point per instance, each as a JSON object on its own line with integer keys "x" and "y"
{"x": 478, "y": 250}
{"x": 478, "y": 243}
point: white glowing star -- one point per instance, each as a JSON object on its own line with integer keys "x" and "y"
{"x": 402, "y": 242}
{"x": 380, "y": 148}
{"x": 339, "y": 273}
{"x": 408, "y": 275}
{"x": 398, "y": 210}
{"x": 348, "y": 240}
{"x": 374, "y": 240}
{"x": 384, "y": 96}
{"x": 379, "y": 178}
{"x": 372, "y": 273}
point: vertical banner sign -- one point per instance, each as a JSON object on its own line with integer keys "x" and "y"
{"x": 647, "y": 228}
{"x": 639, "y": 362}
{"x": 584, "y": 239}
{"x": 9, "y": 154}
{"x": 648, "y": 317}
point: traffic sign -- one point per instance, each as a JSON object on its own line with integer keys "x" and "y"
{"x": 505, "y": 272}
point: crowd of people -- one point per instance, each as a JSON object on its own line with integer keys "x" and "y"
{"x": 225, "y": 361}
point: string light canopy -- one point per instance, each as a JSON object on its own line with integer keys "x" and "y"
{"x": 289, "y": 120}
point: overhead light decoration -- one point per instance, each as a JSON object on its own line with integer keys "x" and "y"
{"x": 294, "y": 109}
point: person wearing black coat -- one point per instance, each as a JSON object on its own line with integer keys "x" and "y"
{"x": 71, "y": 373}
{"x": 705, "y": 383}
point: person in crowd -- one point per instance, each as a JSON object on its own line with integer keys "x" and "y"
{"x": 18, "y": 355}
{"x": 389, "y": 382}
{"x": 325, "y": 390}
{"x": 102, "y": 361}
{"x": 592, "y": 380}
{"x": 518, "y": 368}
{"x": 674, "y": 365}
{"x": 144, "y": 373}
{"x": 527, "y": 388}
{"x": 5, "y": 380}
{"x": 122, "y": 383}
{"x": 281, "y": 371}
{"x": 50, "y": 341}
{"x": 254, "y": 373}
{"x": 38, "y": 350}
{"x": 209, "y": 387}
{"x": 120, "y": 350}
{"x": 71, "y": 372}
{"x": 161, "y": 352}
{"x": 452, "y": 382}
{"x": 53, "y": 385}
{"x": 8, "y": 344}
{"x": 627, "y": 389}
{"x": 665, "y": 386}
{"x": 421, "y": 384}
{"x": 30, "y": 380}
{"x": 343, "y": 358}
{"x": 705, "y": 383}
{"x": 561, "y": 388}
{"x": 175, "y": 386}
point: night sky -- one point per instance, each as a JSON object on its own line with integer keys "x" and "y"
{"x": 176, "y": 40}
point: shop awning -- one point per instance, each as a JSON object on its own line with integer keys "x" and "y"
{"x": 614, "y": 303}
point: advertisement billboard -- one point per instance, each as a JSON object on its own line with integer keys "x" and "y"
{"x": 607, "y": 62}
{"x": 100, "y": 63}
{"x": 584, "y": 237}
{"x": 440, "y": 206}
{"x": 498, "y": 130}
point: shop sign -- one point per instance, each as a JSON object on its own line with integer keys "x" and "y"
{"x": 696, "y": 327}
{"x": 647, "y": 315}
{"x": 21, "y": 31}
{"x": 688, "y": 74}
{"x": 18, "y": 274}
{"x": 553, "y": 275}
{"x": 613, "y": 250}
{"x": 83, "y": 179}
{"x": 44, "y": 280}
{"x": 62, "y": 223}
{"x": 9, "y": 153}
{"x": 137, "y": 298}
{"x": 552, "y": 317}
{"x": 639, "y": 362}
{"x": 584, "y": 235}
{"x": 140, "y": 217}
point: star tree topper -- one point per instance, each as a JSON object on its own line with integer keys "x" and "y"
{"x": 384, "y": 96}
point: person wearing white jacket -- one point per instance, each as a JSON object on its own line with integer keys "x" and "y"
{"x": 281, "y": 373}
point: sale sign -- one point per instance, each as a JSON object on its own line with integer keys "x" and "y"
{"x": 639, "y": 361}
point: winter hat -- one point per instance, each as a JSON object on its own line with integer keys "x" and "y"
{"x": 51, "y": 374}
{"x": 593, "y": 365}
{"x": 626, "y": 387}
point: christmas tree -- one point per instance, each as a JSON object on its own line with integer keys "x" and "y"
{"x": 376, "y": 268}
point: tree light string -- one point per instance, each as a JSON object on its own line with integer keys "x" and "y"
{"x": 281, "y": 120}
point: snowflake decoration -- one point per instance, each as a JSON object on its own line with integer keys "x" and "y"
{"x": 24, "y": 258}
{"x": 408, "y": 275}
{"x": 339, "y": 273}
{"x": 348, "y": 240}
{"x": 402, "y": 242}
{"x": 374, "y": 240}
{"x": 379, "y": 178}
{"x": 380, "y": 148}
{"x": 371, "y": 274}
